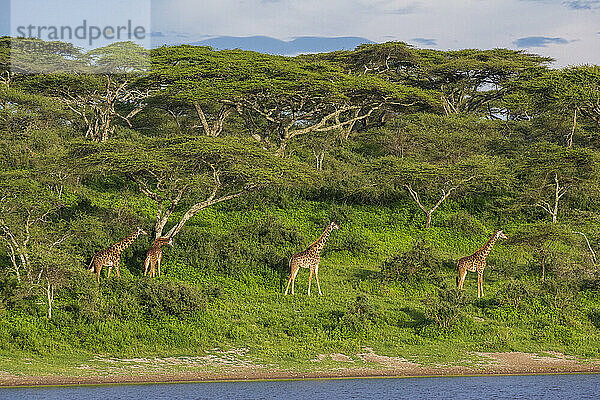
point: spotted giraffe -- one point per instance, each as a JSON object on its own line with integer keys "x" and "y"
{"x": 154, "y": 256}
{"x": 476, "y": 263}
{"x": 310, "y": 259}
{"x": 111, "y": 256}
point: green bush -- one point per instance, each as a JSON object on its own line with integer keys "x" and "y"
{"x": 266, "y": 242}
{"x": 514, "y": 292}
{"x": 446, "y": 309}
{"x": 419, "y": 264}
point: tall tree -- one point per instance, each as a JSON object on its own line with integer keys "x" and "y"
{"x": 280, "y": 98}
{"x": 430, "y": 185}
{"x": 467, "y": 80}
{"x": 553, "y": 178}
{"x": 186, "y": 175}
{"x": 101, "y": 92}
{"x": 573, "y": 91}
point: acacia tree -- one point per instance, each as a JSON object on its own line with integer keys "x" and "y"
{"x": 27, "y": 207}
{"x": 552, "y": 175}
{"x": 101, "y": 91}
{"x": 559, "y": 192}
{"x": 541, "y": 240}
{"x": 23, "y": 56}
{"x": 35, "y": 239}
{"x": 472, "y": 80}
{"x": 573, "y": 91}
{"x": 279, "y": 98}
{"x": 184, "y": 176}
{"x": 467, "y": 80}
{"x": 429, "y": 183}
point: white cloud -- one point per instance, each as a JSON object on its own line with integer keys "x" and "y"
{"x": 452, "y": 24}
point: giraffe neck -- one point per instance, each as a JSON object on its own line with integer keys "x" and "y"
{"x": 125, "y": 243}
{"x": 485, "y": 250}
{"x": 320, "y": 242}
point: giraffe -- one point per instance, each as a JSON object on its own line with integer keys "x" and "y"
{"x": 309, "y": 258}
{"x": 476, "y": 263}
{"x": 154, "y": 256}
{"x": 111, "y": 256}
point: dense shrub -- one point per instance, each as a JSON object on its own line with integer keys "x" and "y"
{"x": 514, "y": 292}
{"x": 258, "y": 244}
{"x": 419, "y": 263}
{"x": 463, "y": 223}
{"x": 446, "y": 309}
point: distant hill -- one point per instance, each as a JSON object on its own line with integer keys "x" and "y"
{"x": 269, "y": 45}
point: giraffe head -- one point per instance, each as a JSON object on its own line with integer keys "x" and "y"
{"x": 333, "y": 225}
{"x": 501, "y": 234}
{"x": 170, "y": 242}
{"x": 140, "y": 231}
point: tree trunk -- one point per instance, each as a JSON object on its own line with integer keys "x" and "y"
{"x": 570, "y": 136}
{"x": 50, "y": 296}
{"x": 559, "y": 192}
{"x": 543, "y": 268}
{"x": 216, "y": 129}
{"x": 282, "y": 146}
{"x": 428, "y": 221}
{"x": 319, "y": 159}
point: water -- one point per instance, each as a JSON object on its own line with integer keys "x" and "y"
{"x": 480, "y": 387}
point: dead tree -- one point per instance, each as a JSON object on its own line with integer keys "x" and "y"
{"x": 559, "y": 192}
{"x": 429, "y": 211}
{"x": 592, "y": 252}
{"x": 98, "y": 109}
{"x": 319, "y": 159}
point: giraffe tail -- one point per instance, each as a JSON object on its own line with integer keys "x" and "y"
{"x": 90, "y": 268}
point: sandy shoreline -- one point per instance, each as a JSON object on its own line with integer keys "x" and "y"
{"x": 513, "y": 363}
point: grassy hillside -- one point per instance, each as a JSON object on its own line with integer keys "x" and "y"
{"x": 233, "y": 304}
{"x": 244, "y": 158}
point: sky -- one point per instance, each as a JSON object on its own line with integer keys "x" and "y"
{"x": 567, "y": 30}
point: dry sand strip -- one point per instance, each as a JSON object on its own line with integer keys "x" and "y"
{"x": 491, "y": 364}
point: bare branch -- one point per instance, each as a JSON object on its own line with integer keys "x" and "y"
{"x": 594, "y": 261}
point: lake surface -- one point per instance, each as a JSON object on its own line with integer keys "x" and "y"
{"x": 562, "y": 387}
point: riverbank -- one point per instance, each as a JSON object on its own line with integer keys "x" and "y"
{"x": 367, "y": 364}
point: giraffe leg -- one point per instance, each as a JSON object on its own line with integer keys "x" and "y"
{"x": 462, "y": 274}
{"x": 294, "y": 278}
{"x": 158, "y": 264}
{"x": 117, "y": 269}
{"x": 290, "y": 279}
{"x": 318, "y": 284}
{"x": 146, "y": 264}
{"x": 288, "y": 284}
{"x": 310, "y": 280}
{"x": 109, "y": 271}
{"x": 479, "y": 282}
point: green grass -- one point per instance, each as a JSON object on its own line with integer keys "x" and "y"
{"x": 247, "y": 310}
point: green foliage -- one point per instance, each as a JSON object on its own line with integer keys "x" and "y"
{"x": 267, "y": 242}
{"x": 446, "y": 309}
{"x": 419, "y": 264}
{"x": 376, "y": 117}
{"x": 514, "y": 293}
